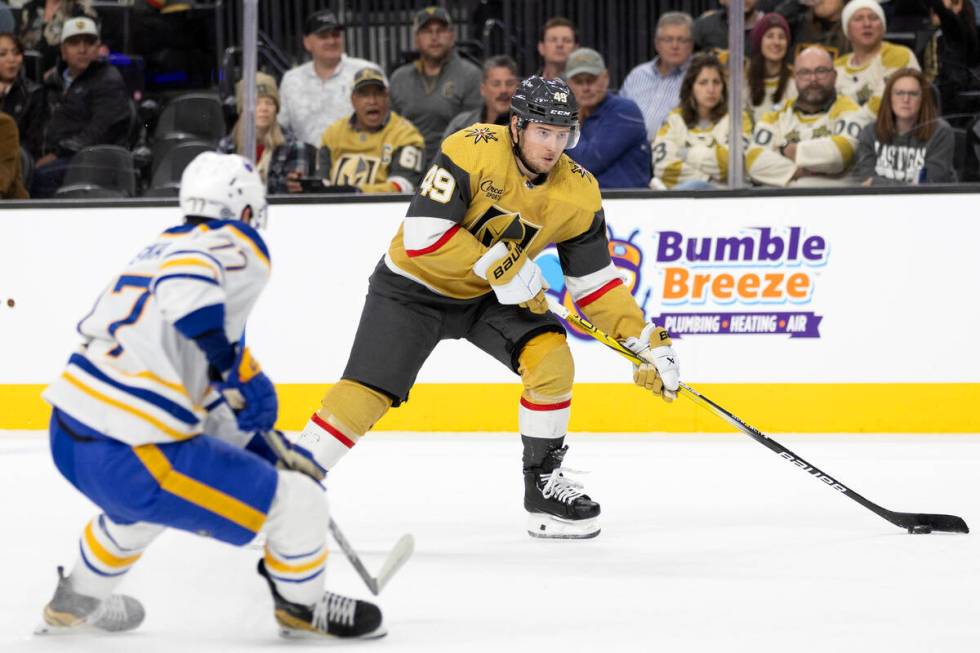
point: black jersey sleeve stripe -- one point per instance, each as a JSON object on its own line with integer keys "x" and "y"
{"x": 588, "y": 252}
{"x": 443, "y": 193}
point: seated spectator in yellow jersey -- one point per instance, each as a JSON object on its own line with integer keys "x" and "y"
{"x": 861, "y": 75}
{"x": 811, "y": 140}
{"x": 374, "y": 150}
{"x": 280, "y": 158}
{"x": 690, "y": 151}
{"x": 908, "y": 144}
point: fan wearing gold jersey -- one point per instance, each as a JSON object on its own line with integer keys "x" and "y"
{"x": 374, "y": 150}
{"x": 461, "y": 266}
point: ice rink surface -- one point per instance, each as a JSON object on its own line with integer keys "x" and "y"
{"x": 709, "y": 543}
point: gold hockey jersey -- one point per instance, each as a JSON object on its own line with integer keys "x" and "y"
{"x": 474, "y": 196}
{"x": 825, "y": 142}
{"x": 865, "y": 84}
{"x": 682, "y": 153}
{"x": 386, "y": 161}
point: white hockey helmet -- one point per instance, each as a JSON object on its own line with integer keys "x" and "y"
{"x": 221, "y": 187}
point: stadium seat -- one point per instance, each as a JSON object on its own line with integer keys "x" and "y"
{"x": 167, "y": 172}
{"x": 100, "y": 171}
{"x": 196, "y": 114}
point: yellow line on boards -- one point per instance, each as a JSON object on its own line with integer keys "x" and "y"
{"x": 609, "y": 407}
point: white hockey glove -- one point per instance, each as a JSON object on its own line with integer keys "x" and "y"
{"x": 514, "y": 278}
{"x": 659, "y": 371}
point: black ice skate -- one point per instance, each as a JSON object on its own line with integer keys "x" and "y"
{"x": 557, "y": 507}
{"x": 69, "y": 611}
{"x": 332, "y": 616}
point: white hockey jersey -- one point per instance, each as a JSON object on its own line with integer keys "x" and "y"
{"x": 700, "y": 153}
{"x": 136, "y": 378}
{"x": 826, "y": 142}
{"x": 865, "y": 84}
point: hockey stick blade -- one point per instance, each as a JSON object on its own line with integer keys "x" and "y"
{"x": 399, "y": 555}
{"x": 912, "y": 522}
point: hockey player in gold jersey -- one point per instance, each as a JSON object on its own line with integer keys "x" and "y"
{"x": 461, "y": 266}
{"x": 374, "y": 150}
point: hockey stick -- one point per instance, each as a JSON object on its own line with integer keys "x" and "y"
{"x": 913, "y": 522}
{"x": 397, "y": 557}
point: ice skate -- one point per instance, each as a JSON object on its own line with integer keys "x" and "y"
{"x": 556, "y": 505}
{"x": 69, "y": 611}
{"x": 332, "y": 616}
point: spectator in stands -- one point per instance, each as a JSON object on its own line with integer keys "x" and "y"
{"x": 280, "y": 157}
{"x": 909, "y": 143}
{"x": 317, "y": 93}
{"x": 815, "y": 22}
{"x": 655, "y": 85}
{"x": 440, "y": 85}
{"x": 691, "y": 148}
{"x": 22, "y": 98}
{"x": 957, "y": 57}
{"x": 769, "y": 79}
{"x": 558, "y": 38}
{"x": 11, "y": 180}
{"x": 811, "y": 140}
{"x": 41, "y": 22}
{"x": 374, "y": 150}
{"x": 861, "y": 74}
{"x": 613, "y": 144}
{"x": 88, "y": 104}
{"x": 500, "y": 80}
{"x": 711, "y": 27}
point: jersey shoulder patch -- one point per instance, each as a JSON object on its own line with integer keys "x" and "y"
{"x": 895, "y": 56}
{"x": 843, "y": 104}
{"x": 478, "y": 146}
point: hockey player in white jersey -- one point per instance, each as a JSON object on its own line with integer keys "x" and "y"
{"x": 141, "y": 425}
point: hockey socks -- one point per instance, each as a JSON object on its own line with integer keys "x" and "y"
{"x": 349, "y": 411}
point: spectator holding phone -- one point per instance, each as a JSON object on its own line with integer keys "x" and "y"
{"x": 279, "y": 156}
{"x": 909, "y": 143}
{"x": 374, "y": 150}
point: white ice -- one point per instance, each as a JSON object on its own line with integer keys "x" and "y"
{"x": 708, "y": 543}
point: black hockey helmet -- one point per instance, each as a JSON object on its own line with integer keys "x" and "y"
{"x": 546, "y": 101}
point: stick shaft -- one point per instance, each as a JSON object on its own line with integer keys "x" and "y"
{"x": 355, "y": 560}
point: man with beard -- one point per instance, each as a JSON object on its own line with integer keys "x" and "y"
{"x": 500, "y": 80}
{"x": 439, "y": 85}
{"x": 811, "y": 140}
{"x": 373, "y": 150}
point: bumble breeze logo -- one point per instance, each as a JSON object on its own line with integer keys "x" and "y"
{"x": 759, "y": 266}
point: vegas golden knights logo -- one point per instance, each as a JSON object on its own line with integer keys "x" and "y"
{"x": 355, "y": 169}
{"x": 498, "y": 225}
{"x": 481, "y": 135}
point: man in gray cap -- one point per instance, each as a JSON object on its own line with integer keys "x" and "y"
{"x": 439, "y": 85}
{"x": 317, "y": 93}
{"x": 613, "y": 145}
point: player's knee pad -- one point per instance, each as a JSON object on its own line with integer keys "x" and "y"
{"x": 299, "y": 514}
{"x": 355, "y": 406}
{"x": 546, "y": 368}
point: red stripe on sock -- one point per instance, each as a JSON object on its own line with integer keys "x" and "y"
{"x": 596, "y": 294}
{"x": 344, "y": 440}
{"x": 532, "y": 406}
{"x": 434, "y": 246}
